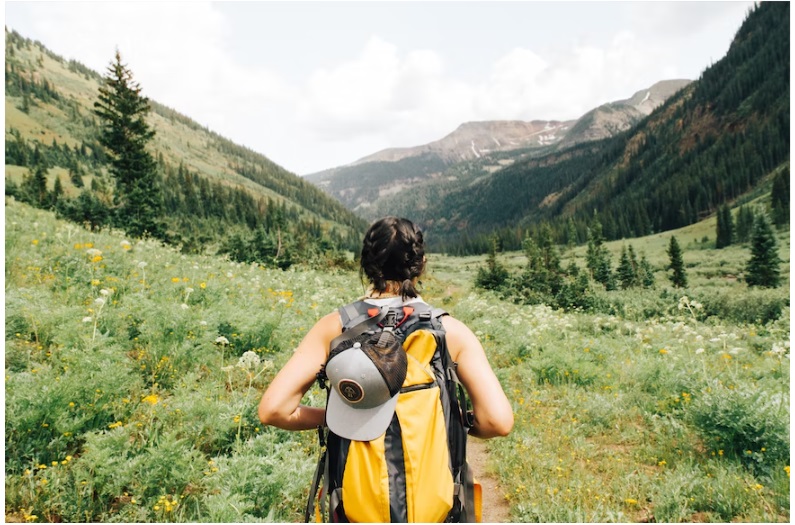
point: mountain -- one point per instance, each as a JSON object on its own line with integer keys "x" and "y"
{"x": 371, "y": 186}
{"x": 215, "y": 190}
{"x": 713, "y": 142}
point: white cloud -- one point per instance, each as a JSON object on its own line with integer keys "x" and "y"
{"x": 391, "y": 93}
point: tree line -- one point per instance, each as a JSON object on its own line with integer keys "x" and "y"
{"x": 544, "y": 280}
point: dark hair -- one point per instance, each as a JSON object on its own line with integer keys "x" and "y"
{"x": 393, "y": 250}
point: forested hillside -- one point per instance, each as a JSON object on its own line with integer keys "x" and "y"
{"x": 713, "y": 142}
{"x": 216, "y": 195}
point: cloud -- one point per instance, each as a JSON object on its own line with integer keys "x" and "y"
{"x": 388, "y": 94}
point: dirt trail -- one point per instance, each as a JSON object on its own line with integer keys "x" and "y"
{"x": 495, "y": 508}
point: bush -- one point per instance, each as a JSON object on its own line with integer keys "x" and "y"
{"x": 752, "y": 427}
{"x": 754, "y": 306}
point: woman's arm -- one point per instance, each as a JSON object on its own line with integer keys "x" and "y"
{"x": 493, "y": 412}
{"x": 280, "y": 405}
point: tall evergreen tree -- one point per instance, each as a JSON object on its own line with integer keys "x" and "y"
{"x": 779, "y": 198}
{"x": 744, "y": 223}
{"x": 725, "y": 227}
{"x": 494, "y": 275}
{"x": 645, "y": 272}
{"x": 763, "y": 267}
{"x": 628, "y": 268}
{"x": 125, "y": 134}
{"x": 676, "y": 264}
{"x": 598, "y": 257}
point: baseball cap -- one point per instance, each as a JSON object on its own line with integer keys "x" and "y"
{"x": 365, "y": 377}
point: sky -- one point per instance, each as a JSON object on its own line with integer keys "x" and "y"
{"x": 316, "y": 85}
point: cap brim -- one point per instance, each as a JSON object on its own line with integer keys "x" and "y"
{"x": 358, "y": 424}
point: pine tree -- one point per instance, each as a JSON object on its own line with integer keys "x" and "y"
{"x": 763, "y": 267}
{"x": 495, "y": 274}
{"x": 598, "y": 257}
{"x": 779, "y": 198}
{"x": 744, "y": 223}
{"x": 725, "y": 227}
{"x": 677, "y": 265}
{"x": 125, "y": 134}
{"x": 57, "y": 192}
{"x": 645, "y": 272}
{"x": 627, "y": 268}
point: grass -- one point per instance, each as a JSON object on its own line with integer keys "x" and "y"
{"x": 133, "y": 373}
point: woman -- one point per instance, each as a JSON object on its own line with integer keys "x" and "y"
{"x": 393, "y": 258}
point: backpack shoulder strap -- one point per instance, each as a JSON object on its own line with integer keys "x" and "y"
{"x": 353, "y": 313}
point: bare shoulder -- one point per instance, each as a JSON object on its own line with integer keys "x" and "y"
{"x": 460, "y": 337}
{"x": 455, "y": 327}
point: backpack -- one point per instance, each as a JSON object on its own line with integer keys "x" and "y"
{"x": 416, "y": 471}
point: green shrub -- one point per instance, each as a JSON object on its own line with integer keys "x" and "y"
{"x": 753, "y": 306}
{"x": 750, "y": 426}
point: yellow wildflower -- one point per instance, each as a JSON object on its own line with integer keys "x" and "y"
{"x": 152, "y": 399}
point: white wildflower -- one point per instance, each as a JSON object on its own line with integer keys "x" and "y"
{"x": 221, "y": 340}
{"x": 188, "y": 290}
{"x": 142, "y": 264}
{"x": 87, "y": 319}
{"x": 248, "y": 360}
{"x": 93, "y": 252}
{"x": 699, "y": 350}
{"x": 99, "y": 301}
{"x": 184, "y": 306}
{"x": 203, "y": 323}
{"x": 105, "y": 292}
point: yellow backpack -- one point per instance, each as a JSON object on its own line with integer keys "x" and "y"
{"x": 415, "y": 470}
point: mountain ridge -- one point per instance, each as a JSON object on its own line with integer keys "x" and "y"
{"x": 369, "y": 185}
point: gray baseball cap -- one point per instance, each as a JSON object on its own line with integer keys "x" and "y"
{"x": 365, "y": 383}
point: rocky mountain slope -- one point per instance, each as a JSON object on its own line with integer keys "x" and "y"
{"x": 377, "y": 184}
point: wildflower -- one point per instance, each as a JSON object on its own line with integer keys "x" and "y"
{"x": 189, "y": 290}
{"x": 152, "y": 399}
{"x": 99, "y": 301}
{"x": 203, "y": 286}
{"x": 142, "y": 264}
{"x": 663, "y": 351}
{"x": 125, "y": 245}
{"x": 34, "y": 242}
{"x": 662, "y": 463}
{"x": 699, "y": 350}
{"x": 786, "y": 469}
{"x": 184, "y": 306}
{"x": 87, "y": 319}
{"x": 175, "y": 279}
{"x": 94, "y": 282}
{"x": 248, "y": 360}
{"x": 105, "y": 292}
{"x": 221, "y": 340}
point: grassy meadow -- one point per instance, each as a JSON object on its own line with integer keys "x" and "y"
{"x": 133, "y": 374}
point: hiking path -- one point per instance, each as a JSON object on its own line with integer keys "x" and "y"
{"x": 496, "y": 508}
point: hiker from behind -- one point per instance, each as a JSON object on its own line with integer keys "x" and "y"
{"x": 383, "y": 394}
